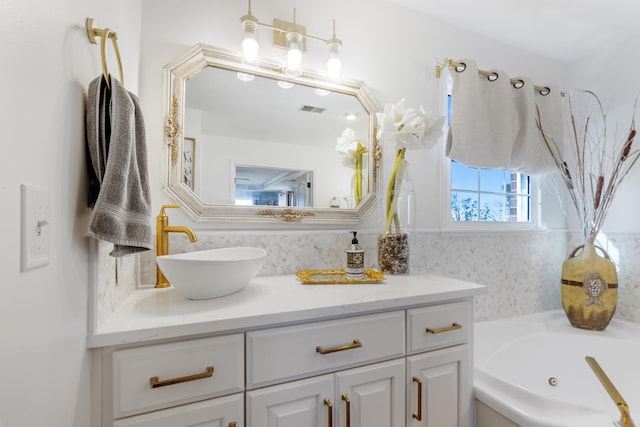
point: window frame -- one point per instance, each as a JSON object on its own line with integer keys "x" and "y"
{"x": 534, "y": 223}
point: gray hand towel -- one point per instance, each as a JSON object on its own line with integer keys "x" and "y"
{"x": 117, "y": 149}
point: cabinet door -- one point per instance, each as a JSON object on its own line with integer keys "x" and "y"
{"x": 225, "y": 411}
{"x": 306, "y": 403}
{"x": 371, "y": 396}
{"x": 439, "y": 388}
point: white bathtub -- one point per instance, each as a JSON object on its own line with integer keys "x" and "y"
{"x": 516, "y": 360}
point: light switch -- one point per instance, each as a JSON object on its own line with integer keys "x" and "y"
{"x": 35, "y": 227}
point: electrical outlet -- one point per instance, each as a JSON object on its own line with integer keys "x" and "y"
{"x": 34, "y": 227}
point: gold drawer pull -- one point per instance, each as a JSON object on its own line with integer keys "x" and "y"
{"x": 329, "y": 406}
{"x": 453, "y": 327}
{"x": 418, "y": 416}
{"x": 155, "y": 383}
{"x": 355, "y": 344}
{"x": 345, "y": 397}
{"x": 232, "y": 424}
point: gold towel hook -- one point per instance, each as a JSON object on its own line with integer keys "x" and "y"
{"x": 104, "y": 34}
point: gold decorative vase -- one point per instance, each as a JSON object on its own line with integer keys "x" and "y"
{"x": 589, "y": 288}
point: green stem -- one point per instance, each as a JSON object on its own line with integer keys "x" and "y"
{"x": 391, "y": 214}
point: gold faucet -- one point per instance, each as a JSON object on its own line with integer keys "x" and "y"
{"x": 625, "y": 416}
{"x": 162, "y": 240}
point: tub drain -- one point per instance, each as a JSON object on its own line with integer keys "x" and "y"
{"x": 553, "y": 381}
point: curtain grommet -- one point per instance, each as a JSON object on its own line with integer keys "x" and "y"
{"x": 460, "y": 67}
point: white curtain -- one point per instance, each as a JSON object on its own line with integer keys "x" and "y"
{"x": 493, "y": 121}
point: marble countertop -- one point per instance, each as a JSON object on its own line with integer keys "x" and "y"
{"x": 155, "y": 314}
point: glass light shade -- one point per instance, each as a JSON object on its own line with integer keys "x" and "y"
{"x": 250, "y": 45}
{"x": 294, "y": 55}
{"x": 285, "y": 85}
{"x": 245, "y": 77}
{"x": 334, "y": 64}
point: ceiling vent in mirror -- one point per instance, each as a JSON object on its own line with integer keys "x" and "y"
{"x": 312, "y": 109}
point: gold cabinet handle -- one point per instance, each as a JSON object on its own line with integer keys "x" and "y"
{"x": 327, "y": 403}
{"x": 232, "y": 424}
{"x": 345, "y": 397}
{"x": 418, "y": 416}
{"x": 155, "y": 382}
{"x": 355, "y": 344}
{"x": 453, "y": 327}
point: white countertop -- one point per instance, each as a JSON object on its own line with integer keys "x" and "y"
{"x": 154, "y": 314}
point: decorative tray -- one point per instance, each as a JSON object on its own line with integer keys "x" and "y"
{"x": 334, "y": 277}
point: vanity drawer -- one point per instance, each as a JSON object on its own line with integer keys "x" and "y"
{"x": 292, "y": 352}
{"x": 438, "y": 326}
{"x": 164, "y": 375}
{"x": 223, "y": 411}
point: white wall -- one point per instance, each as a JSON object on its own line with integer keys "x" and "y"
{"x": 47, "y": 64}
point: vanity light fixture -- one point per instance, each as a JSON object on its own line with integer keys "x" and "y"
{"x": 291, "y": 36}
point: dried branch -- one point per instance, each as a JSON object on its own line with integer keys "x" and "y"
{"x": 592, "y": 166}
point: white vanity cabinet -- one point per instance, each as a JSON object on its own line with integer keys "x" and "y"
{"x": 371, "y": 395}
{"x": 391, "y": 355}
{"x": 439, "y": 380}
{"x": 225, "y": 411}
{"x": 140, "y": 380}
{"x": 437, "y": 383}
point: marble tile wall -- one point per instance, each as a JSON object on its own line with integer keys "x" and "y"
{"x": 115, "y": 280}
{"x": 521, "y": 270}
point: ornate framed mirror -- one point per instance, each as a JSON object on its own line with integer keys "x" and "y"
{"x": 266, "y": 142}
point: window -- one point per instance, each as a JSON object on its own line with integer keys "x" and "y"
{"x": 487, "y": 195}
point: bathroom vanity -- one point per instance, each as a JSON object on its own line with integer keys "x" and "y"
{"x": 280, "y": 353}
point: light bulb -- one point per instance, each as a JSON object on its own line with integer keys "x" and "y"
{"x": 294, "y": 60}
{"x": 333, "y": 67}
{"x": 250, "y": 49}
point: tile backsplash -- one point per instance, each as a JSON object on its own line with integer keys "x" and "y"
{"x": 521, "y": 270}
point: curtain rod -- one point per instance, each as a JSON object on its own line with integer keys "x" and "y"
{"x": 517, "y": 83}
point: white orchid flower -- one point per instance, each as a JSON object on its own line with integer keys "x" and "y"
{"x": 347, "y": 147}
{"x": 410, "y": 128}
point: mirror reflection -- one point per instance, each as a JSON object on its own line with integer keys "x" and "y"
{"x": 238, "y": 118}
{"x": 260, "y": 186}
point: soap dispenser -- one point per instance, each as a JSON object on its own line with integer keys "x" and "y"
{"x": 355, "y": 258}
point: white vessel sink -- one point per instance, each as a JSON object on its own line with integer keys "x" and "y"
{"x": 212, "y": 273}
